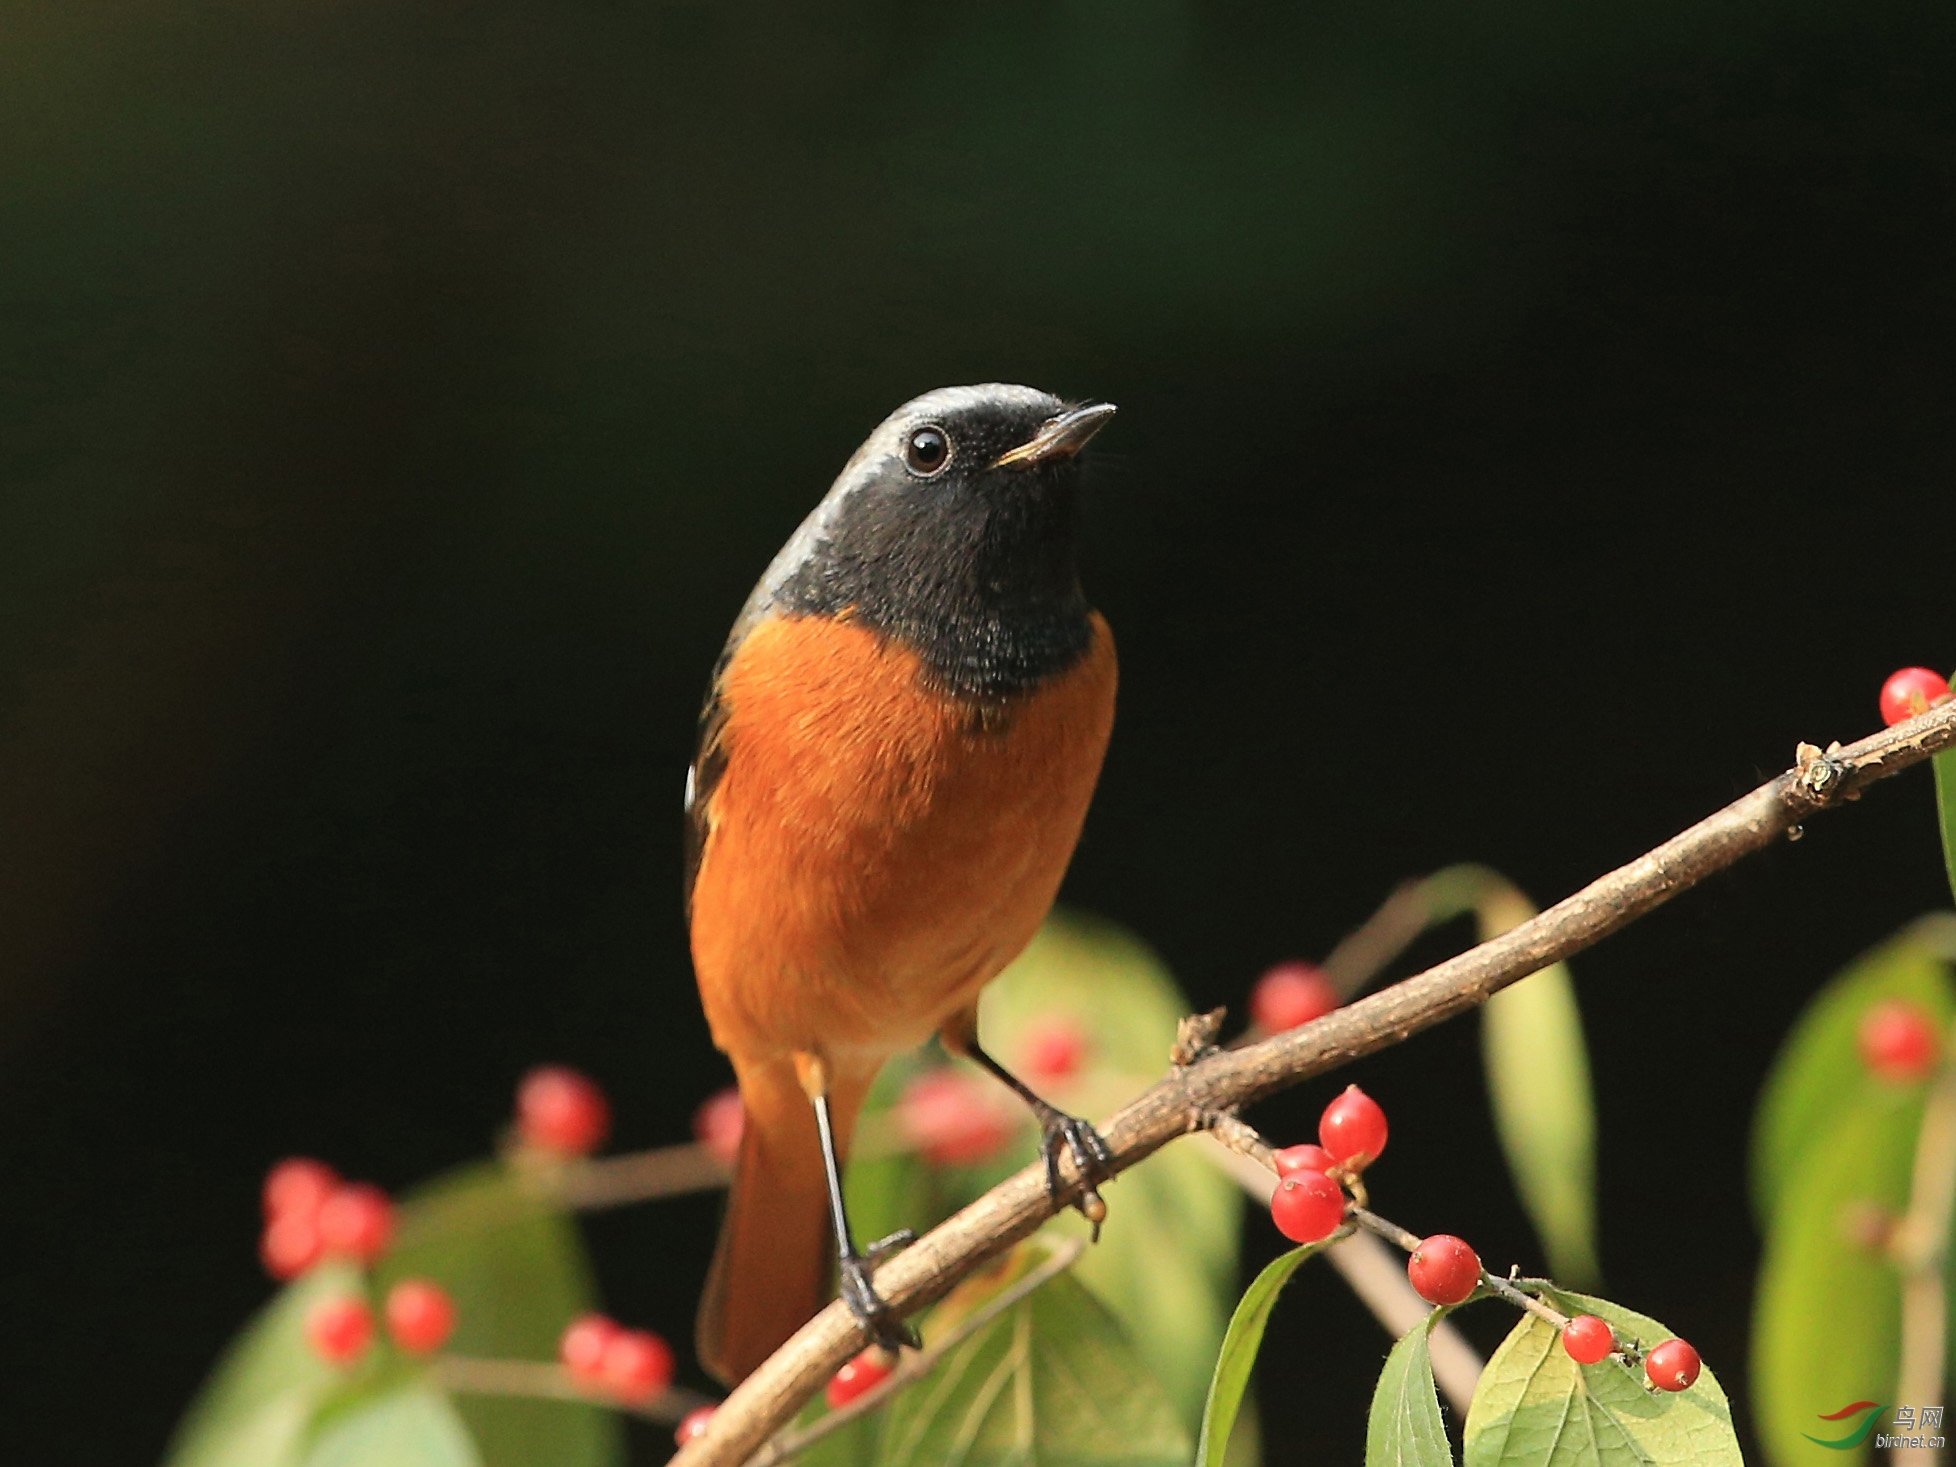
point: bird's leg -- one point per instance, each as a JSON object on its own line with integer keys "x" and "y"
{"x": 1057, "y": 1130}
{"x": 872, "y": 1311}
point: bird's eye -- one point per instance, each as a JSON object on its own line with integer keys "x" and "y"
{"x": 927, "y": 451}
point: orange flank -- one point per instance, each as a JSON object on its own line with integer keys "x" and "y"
{"x": 876, "y": 852}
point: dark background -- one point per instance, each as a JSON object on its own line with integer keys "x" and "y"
{"x": 1534, "y": 421}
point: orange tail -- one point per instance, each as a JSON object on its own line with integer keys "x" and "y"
{"x": 772, "y": 1269}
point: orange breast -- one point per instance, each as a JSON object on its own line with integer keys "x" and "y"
{"x": 877, "y": 852}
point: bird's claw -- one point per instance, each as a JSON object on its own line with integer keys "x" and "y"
{"x": 871, "y": 1309}
{"x": 1090, "y": 1156}
{"x": 882, "y": 1248}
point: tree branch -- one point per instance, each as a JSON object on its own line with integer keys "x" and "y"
{"x": 1221, "y": 1080}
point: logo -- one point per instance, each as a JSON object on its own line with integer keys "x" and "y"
{"x": 1855, "y": 1437}
{"x": 1912, "y": 1428}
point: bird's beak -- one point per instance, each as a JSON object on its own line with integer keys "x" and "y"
{"x": 1060, "y": 437}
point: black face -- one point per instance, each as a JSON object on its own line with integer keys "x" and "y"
{"x": 953, "y": 529}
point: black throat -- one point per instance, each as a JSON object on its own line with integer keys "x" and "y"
{"x": 977, "y": 577}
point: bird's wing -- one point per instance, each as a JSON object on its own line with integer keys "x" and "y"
{"x": 703, "y": 776}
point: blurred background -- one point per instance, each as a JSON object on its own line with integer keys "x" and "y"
{"x": 1534, "y": 420}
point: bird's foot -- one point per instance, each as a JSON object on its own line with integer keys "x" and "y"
{"x": 1062, "y": 1132}
{"x": 871, "y": 1309}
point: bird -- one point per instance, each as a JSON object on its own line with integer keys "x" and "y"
{"x": 896, "y": 755}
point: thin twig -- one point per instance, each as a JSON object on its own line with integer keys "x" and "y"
{"x": 636, "y": 1176}
{"x": 915, "y": 1367}
{"x": 1375, "y": 1275}
{"x": 540, "y": 1380}
{"x": 1920, "y": 1246}
{"x": 1224, "y": 1080}
{"x": 1413, "y": 909}
{"x": 670, "y": 1171}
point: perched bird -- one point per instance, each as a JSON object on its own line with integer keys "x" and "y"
{"x": 896, "y": 755}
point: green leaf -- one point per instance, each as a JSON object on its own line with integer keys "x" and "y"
{"x": 256, "y": 1407}
{"x": 1819, "y": 1069}
{"x": 1535, "y": 1407}
{"x": 1404, "y": 1428}
{"x": 1238, "y": 1355}
{"x": 1830, "y": 1142}
{"x": 1945, "y": 767}
{"x": 1538, "y": 1084}
{"x": 517, "y": 1269}
{"x": 1827, "y": 1310}
{"x": 1053, "y": 1381}
{"x": 1166, "y": 1262}
{"x": 411, "y": 1427}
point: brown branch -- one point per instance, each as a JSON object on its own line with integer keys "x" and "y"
{"x": 1220, "y": 1081}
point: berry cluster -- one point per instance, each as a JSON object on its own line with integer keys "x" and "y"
{"x": 630, "y": 1366}
{"x": 419, "y": 1312}
{"x": 1671, "y": 1366}
{"x": 1310, "y": 1205}
{"x": 310, "y": 1214}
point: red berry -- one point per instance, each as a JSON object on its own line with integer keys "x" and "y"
{"x": 1672, "y": 1366}
{"x": 954, "y": 1119}
{"x": 1353, "y": 1129}
{"x": 1444, "y": 1269}
{"x": 1307, "y": 1207}
{"x": 339, "y": 1330}
{"x": 1911, "y": 691}
{"x": 420, "y": 1315}
{"x": 290, "y": 1245}
{"x": 298, "y": 1185}
{"x": 357, "y": 1221}
{"x": 1899, "y": 1042}
{"x": 1291, "y": 994}
{"x": 717, "y": 1124}
{"x": 871, "y": 1368}
{"x": 636, "y": 1366}
{"x": 558, "y": 1109}
{"x": 1054, "y": 1048}
{"x": 1588, "y": 1339}
{"x": 1303, "y": 1158}
{"x": 693, "y": 1425}
{"x": 583, "y": 1343}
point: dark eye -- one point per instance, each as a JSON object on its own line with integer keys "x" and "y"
{"x": 927, "y": 451}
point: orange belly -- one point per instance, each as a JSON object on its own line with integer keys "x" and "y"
{"x": 877, "y": 851}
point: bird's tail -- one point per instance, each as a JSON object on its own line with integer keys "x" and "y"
{"x": 772, "y": 1268}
